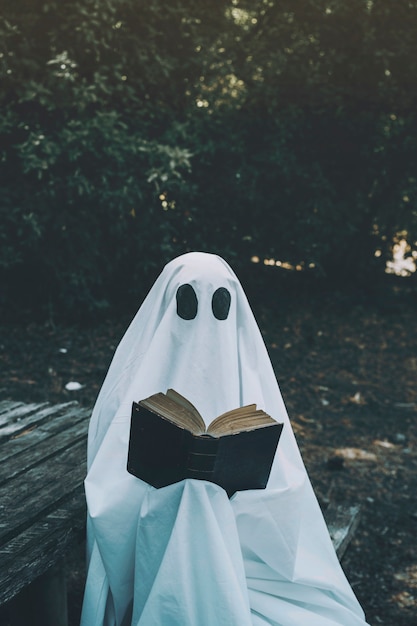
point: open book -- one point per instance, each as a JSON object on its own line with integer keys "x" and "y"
{"x": 169, "y": 442}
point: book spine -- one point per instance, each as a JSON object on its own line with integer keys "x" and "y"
{"x": 202, "y": 457}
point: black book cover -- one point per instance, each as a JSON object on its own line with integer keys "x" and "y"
{"x": 162, "y": 453}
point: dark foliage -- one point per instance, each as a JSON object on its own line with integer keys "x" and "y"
{"x": 133, "y": 131}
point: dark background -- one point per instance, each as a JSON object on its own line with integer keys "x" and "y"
{"x": 133, "y": 131}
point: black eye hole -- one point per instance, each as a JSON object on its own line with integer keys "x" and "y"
{"x": 221, "y": 303}
{"x": 187, "y": 303}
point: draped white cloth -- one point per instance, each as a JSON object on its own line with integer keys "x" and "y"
{"x": 186, "y": 555}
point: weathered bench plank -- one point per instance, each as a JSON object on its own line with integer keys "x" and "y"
{"x": 33, "y": 551}
{"x": 342, "y": 522}
{"x": 16, "y": 421}
{"x": 46, "y": 448}
{"x": 12, "y": 411}
{"x": 60, "y": 424}
{"x": 25, "y": 501}
{"x": 42, "y": 505}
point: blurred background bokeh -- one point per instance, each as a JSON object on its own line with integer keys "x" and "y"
{"x": 280, "y": 134}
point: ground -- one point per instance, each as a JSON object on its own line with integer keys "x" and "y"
{"x": 347, "y": 370}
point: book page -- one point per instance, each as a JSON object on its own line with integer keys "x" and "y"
{"x": 179, "y": 399}
{"x": 177, "y": 409}
{"x": 243, "y": 418}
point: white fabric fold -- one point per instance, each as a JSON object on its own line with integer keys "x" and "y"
{"x": 188, "y": 553}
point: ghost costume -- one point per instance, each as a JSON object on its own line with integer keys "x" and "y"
{"x": 186, "y": 554}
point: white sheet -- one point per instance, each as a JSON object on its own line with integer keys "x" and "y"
{"x": 186, "y": 554}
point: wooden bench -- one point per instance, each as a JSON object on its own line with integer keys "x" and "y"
{"x": 42, "y": 506}
{"x": 43, "y": 511}
{"x": 342, "y": 522}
